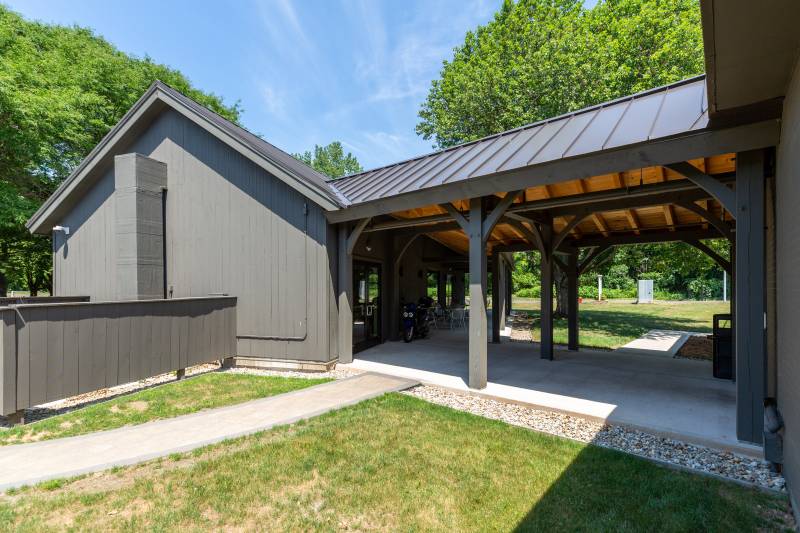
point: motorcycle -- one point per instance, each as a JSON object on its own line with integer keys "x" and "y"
{"x": 409, "y": 321}
{"x": 415, "y": 321}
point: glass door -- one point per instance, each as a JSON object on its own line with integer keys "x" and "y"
{"x": 366, "y": 305}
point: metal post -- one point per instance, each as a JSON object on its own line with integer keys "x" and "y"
{"x": 572, "y": 300}
{"x": 497, "y": 300}
{"x": 724, "y": 286}
{"x": 750, "y": 296}
{"x": 345, "y": 298}
{"x": 477, "y": 291}
{"x": 599, "y": 287}
{"x": 547, "y": 292}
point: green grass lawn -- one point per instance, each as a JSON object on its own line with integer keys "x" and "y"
{"x": 613, "y": 323}
{"x": 396, "y": 463}
{"x": 214, "y": 389}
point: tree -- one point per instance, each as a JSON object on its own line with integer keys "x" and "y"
{"x": 331, "y": 160}
{"x": 61, "y": 90}
{"x": 541, "y": 58}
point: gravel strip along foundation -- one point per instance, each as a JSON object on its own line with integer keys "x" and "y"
{"x": 698, "y": 458}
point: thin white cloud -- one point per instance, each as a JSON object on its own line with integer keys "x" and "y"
{"x": 274, "y": 102}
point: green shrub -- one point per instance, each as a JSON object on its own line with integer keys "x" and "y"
{"x": 529, "y": 292}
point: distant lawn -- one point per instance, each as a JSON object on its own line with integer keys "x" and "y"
{"x": 396, "y": 463}
{"x": 614, "y": 323}
{"x": 165, "y": 401}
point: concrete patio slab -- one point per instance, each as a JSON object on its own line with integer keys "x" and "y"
{"x": 657, "y": 342}
{"x": 26, "y": 464}
{"x": 678, "y": 398}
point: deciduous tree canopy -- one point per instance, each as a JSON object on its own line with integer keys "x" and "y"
{"x": 541, "y": 58}
{"x": 538, "y": 59}
{"x": 331, "y": 160}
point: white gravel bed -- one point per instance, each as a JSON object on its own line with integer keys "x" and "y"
{"x": 700, "y": 458}
{"x": 336, "y": 373}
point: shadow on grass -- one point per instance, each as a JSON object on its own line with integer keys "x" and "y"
{"x": 606, "y": 490}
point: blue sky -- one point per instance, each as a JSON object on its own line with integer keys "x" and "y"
{"x": 306, "y": 72}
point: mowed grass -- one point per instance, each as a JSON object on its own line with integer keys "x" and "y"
{"x": 396, "y": 463}
{"x": 614, "y": 323}
{"x": 205, "y": 391}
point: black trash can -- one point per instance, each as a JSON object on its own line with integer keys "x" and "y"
{"x": 723, "y": 347}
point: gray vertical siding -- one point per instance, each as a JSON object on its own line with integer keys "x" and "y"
{"x": 788, "y": 266}
{"x": 8, "y": 361}
{"x": 67, "y": 349}
{"x": 232, "y": 228}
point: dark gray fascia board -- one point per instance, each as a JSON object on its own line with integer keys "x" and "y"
{"x": 152, "y": 102}
{"x": 658, "y": 152}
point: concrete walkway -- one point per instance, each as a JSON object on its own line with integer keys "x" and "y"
{"x": 662, "y": 342}
{"x": 26, "y": 464}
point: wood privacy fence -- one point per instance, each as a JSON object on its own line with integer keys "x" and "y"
{"x": 56, "y": 350}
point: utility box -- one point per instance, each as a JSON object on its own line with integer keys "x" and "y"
{"x": 645, "y": 291}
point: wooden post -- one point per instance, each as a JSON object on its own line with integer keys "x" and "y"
{"x": 546, "y": 346}
{"x": 441, "y": 289}
{"x": 477, "y": 292}
{"x": 345, "y": 288}
{"x": 572, "y": 300}
{"x": 750, "y": 296}
{"x": 497, "y": 299}
{"x": 457, "y": 296}
{"x": 509, "y": 288}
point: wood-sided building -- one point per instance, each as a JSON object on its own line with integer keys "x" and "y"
{"x": 178, "y": 202}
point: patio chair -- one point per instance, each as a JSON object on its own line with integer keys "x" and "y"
{"x": 457, "y": 318}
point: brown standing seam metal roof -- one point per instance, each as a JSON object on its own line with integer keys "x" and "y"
{"x": 670, "y": 110}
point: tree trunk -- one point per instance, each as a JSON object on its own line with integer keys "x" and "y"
{"x": 562, "y": 293}
{"x": 3, "y": 285}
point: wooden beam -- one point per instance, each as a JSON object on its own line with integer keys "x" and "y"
{"x": 721, "y": 226}
{"x": 591, "y": 257}
{"x": 456, "y": 214}
{"x": 633, "y": 220}
{"x": 723, "y": 263}
{"x": 499, "y": 210}
{"x": 355, "y": 234}
{"x": 600, "y": 222}
{"x": 531, "y": 232}
{"x": 724, "y": 195}
{"x": 567, "y": 229}
{"x": 647, "y": 237}
{"x": 669, "y": 216}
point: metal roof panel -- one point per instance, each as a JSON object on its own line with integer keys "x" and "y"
{"x": 664, "y": 111}
{"x": 636, "y": 123}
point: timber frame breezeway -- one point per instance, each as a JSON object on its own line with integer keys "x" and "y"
{"x": 575, "y": 221}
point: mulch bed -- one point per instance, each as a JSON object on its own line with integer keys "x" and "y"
{"x": 697, "y": 347}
